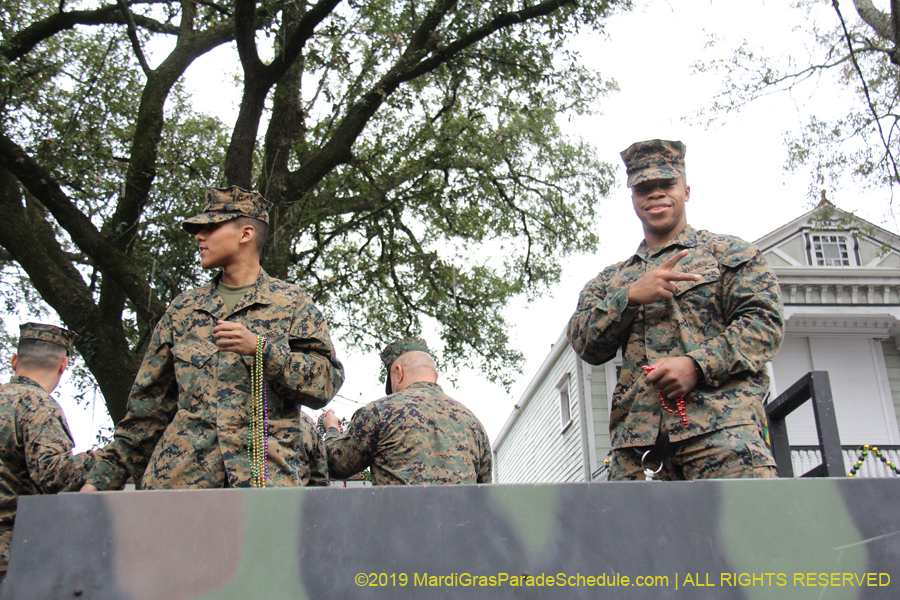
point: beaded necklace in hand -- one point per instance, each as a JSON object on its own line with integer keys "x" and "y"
{"x": 679, "y": 402}
{"x": 865, "y": 453}
{"x": 320, "y": 426}
{"x": 258, "y": 442}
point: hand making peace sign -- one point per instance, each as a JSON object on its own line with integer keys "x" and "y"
{"x": 659, "y": 283}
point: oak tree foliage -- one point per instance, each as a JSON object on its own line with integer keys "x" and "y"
{"x": 411, "y": 149}
{"x": 855, "y": 44}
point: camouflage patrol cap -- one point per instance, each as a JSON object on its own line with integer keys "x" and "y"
{"x": 395, "y": 350}
{"x": 225, "y": 204}
{"x": 653, "y": 159}
{"x": 46, "y": 333}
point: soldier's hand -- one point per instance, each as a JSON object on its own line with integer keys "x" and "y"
{"x": 658, "y": 284}
{"x": 673, "y": 377}
{"x": 330, "y": 420}
{"x": 88, "y": 488}
{"x": 234, "y": 337}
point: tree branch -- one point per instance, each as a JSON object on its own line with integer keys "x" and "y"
{"x": 875, "y": 19}
{"x": 22, "y": 42}
{"x": 108, "y": 258}
{"x": 337, "y": 150}
{"x": 132, "y": 35}
{"x": 887, "y": 149}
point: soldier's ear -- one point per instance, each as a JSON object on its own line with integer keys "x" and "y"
{"x": 14, "y": 361}
{"x": 248, "y": 232}
{"x": 63, "y": 364}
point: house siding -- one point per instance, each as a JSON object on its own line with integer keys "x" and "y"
{"x": 892, "y": 364}
{"x": 796, "y": 249}
{"x": 600, "y": 404}
{"x": 536, "y": 450}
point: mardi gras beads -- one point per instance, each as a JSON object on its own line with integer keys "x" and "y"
{"x": 679, "y": 402}
{"x": 258, "y": 442}
{"x": 865, "y": 453}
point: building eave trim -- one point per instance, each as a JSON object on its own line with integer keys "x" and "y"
{"x": 561, "y": 345}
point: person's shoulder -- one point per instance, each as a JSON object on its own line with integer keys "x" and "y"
{"x": 437, "y": 395}
{"x": 618, "y": 266}
{"x": 21, "y": 386}
{"x": 190, "y": 298}
{"x": 30, "y": 400}
{"x": 281, "y": 285}
{"x": 284, "y": 292}
{"x": 726, "y": 248}
{"x": 609, "y": 272}
{"x": 402, "y": 400}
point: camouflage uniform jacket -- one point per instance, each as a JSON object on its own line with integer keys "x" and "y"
{"x": 418, "y": 435}
{"x": 188, "y": 412}
{"x": 730, "y": 322}
{"x": 35, "y": 452}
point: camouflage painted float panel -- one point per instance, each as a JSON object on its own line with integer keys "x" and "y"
{"x": 746, "y": 539}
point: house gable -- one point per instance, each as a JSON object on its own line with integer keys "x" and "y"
{"x": 828, "y": 237}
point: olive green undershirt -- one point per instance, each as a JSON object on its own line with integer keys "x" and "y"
{"x": 231, "y": 294}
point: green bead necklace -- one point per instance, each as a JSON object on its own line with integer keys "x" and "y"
{"x": 862, "y": 458}
{"x": 258, "y": 443}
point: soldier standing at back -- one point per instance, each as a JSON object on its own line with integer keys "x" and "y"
{"x": 35, "y": 443}
{"x": 216, "y": 402}
{"x": 417, "y": 434}
{"x": 697, "y": 315}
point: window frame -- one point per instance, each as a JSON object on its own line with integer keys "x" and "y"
{"x": 843, "y": 238}
{"x": 565, "y": 406}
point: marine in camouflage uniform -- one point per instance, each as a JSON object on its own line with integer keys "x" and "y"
{"x": 35, "y": 443}
{"x": 189, "y": 408}
{"x": 712, "y": 299}
{"x": 417, "y": 435}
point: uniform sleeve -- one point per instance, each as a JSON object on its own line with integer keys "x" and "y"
{"x": 151, "y": 406}
{"x": 602, "y": 320}
{"x": 751, "y": 302}
{"x": 317, "y": 457}
{"x": 354, "y": 450}
{"x": 302, "y": 365}
{"x": 48, "y": 446}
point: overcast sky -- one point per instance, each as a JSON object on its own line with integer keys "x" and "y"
{"x": 735, "y": 168}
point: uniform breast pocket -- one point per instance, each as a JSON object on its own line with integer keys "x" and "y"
{"x": 700, "y": 305}
{"x": 192, "y": 365}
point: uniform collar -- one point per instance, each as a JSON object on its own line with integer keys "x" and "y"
{"x": 21, "y": 379}
{"x": 424, "y": 384}
{"x": 211, "y": 302}
{"x": 686, "y": 239}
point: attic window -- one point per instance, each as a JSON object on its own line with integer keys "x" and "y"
{"x": 830, "y": 250}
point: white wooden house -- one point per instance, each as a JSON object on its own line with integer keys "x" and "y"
{"x": 840, "y": 282}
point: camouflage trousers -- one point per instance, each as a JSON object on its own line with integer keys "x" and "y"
{"x": 730, "y": 453}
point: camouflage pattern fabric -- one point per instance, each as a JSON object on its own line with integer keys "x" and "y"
{"x": 35, "y": 452}
{"x": 730, "y": 322}
{"x": 395, "y": 350}
{"x": 653, "y": 159}
{"x": 188, "y": 412}
{"x": 225, "y": 204}
{"x": 418, "y": 435}
{"x": 47, "y": 333}
{"x": 732, "y": 453}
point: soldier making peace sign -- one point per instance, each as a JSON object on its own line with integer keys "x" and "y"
{"x": 697, "y": 315}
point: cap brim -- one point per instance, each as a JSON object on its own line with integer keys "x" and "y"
{"x": 194, "y": 224}
{"x": 653, "y": 174}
